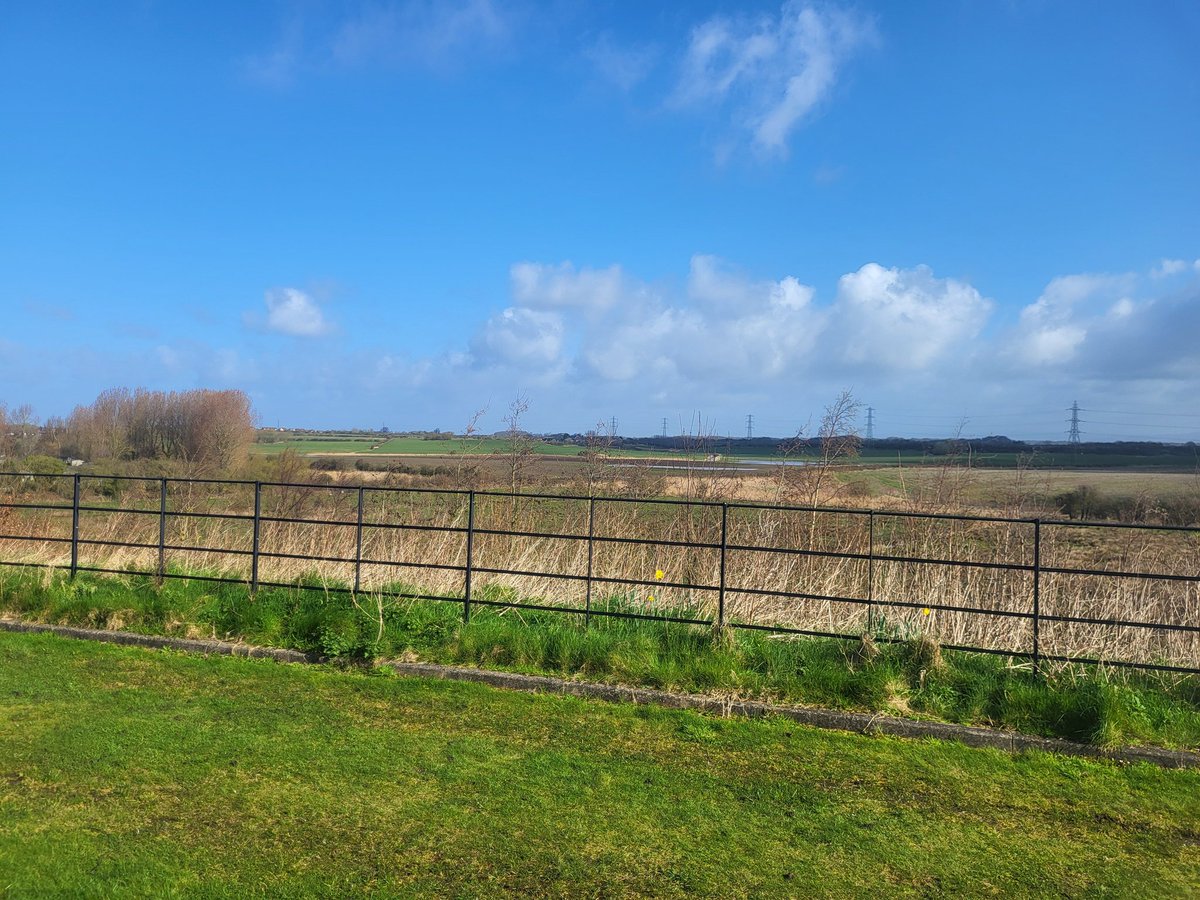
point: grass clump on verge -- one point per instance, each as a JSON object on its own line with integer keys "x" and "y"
{"x": 915, "y": 678}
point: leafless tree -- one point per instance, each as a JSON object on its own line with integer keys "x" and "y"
{"x": 836, "y": 442}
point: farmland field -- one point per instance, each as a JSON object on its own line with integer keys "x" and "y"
{"x": 416, "y": 446}
{"x": 330, "y": 445}
{"x": 1178, "y": 460}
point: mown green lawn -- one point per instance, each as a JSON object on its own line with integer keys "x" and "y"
{"x": 127, "y": 772}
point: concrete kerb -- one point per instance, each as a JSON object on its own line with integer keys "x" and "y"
{"x": 859, "y": 723}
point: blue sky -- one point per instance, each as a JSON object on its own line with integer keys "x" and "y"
{"x": 401, "y": 212}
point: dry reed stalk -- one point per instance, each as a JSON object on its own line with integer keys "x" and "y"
{"x": 928, "y": 585}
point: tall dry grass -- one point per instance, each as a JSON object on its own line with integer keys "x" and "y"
{"x": 775, "y": 572}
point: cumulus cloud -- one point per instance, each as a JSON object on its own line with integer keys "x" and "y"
{"x": 1113, "y": 327}
{"x": 1052, "y": 328}
{"x": 540, "y": 286}
{"x": 291, "y": 311}
{"x": 713, "y": 284}
{"x": 726, "y": 327}
{"x": 772, "y": 71}
{"x": 520, "y": 337}
{"x": 904, "y": 319}
{"x": 601, "y": 324}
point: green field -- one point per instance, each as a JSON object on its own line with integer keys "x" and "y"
{"x": 342, "y": 445}
{"x": 416, "y": 446}
{"x": 134, "y": 773}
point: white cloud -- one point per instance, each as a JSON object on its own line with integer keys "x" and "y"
{"x": 422, "y": 31}
{"x": 726, "y": 327}
{"x": 1052, "y": 329}
{"x": 429, "y": 34}
{"x": 1169, "y": 267}
{"x": 904, "y": 319}
{"x": 561, "y": 286}
{"x": 618, "y": 329}
{"x": 520, "y": 337}
{"x": 772, "y": 72}
{"x": 711, "y": 284}
{"x": 291, "y": 311}
{"x": 278, "y": 66}
{"x": 623, "y": 66}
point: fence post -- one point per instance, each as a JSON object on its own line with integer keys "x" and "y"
{"x": 470, "y": 542}
{"x": 358, "y": 544}
{"x": 724, "y": 544}
{"x": 162, "y": 529}
{"x": 75, "y": 527}
{"x": 587, "y": 608}
{"x": 1037, "y": 588}
{"x": 254, "y": 545}
{"x": 870, "y": 570}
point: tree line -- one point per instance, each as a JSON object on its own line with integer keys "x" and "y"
{"x": 204, "y": 428}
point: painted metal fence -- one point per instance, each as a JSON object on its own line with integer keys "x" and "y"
{"x": 722, "y": 541}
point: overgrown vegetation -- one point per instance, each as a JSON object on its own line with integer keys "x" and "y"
{"x": 908, "y": 678}
{"x": 204, "y": 430}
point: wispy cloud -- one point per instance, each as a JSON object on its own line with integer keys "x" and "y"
{"x": 770, "y": 73}
{"x": 439, "y": 36}
{"x": 623, "y": 65}
{"x": 422, "y": 32}
{"x": 1168, "y": 267}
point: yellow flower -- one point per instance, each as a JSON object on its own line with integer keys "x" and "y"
{"x": 925, "y": 611}
{"x": 650, "y": 598}
{"x": 658, "y": 574}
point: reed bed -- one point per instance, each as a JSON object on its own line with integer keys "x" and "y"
{"x": 847, "y": 572}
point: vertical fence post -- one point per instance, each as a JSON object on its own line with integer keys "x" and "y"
{"x": 162, "y": 530}
{"x": 254, "y": 544}
{"x": 724, "y": 544}
{"x": 75, "y": 527}
{"x": 870, "y": 570}
{"x": 1037, "y": 589}
{"x": 470, "y": 542}
{"x": 358, "y": 544}
{"x": 587, "y": 607}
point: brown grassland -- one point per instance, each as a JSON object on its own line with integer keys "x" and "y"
{"x": 669, "y": 576}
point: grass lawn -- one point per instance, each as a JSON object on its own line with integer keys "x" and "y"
{"x": 127, "y": 772}
{"x": 1079, "y": 703}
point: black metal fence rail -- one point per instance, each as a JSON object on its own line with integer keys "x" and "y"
{"x": 1035, "y": 566}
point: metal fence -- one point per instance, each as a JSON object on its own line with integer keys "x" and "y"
{"x": 873, "y": 529}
